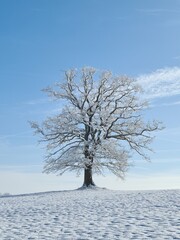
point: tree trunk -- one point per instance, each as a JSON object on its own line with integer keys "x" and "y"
{"x": 88, "y": 181}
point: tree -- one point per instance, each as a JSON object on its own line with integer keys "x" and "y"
{"x": 99, "y": 126}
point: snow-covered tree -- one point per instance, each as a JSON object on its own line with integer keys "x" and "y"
{"x": 99, "y": 127}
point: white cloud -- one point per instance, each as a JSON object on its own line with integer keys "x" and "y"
{"x": 166, "y": 104}
{"x": 161, "y": 83}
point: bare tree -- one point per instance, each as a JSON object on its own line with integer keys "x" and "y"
{"x": 99, "y": 127}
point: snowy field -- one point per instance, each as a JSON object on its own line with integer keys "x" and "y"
{"x": 91, "y": 214}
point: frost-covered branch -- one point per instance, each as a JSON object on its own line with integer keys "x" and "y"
{"x": 100, "y": 125}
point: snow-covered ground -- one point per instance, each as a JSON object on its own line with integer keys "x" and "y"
{"x": 91, "y": 214}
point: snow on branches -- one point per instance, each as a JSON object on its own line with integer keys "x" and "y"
{"x": 100, "y": 125}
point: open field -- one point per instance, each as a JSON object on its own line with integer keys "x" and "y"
{"x": 91, "y": 214}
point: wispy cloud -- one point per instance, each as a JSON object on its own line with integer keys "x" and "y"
{"x": 171, "y": 104}
{"x": 166, "y": 104}
{"x": 161, "y": 83}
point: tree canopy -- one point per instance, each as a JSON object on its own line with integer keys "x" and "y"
{"x": 99, "y": 126}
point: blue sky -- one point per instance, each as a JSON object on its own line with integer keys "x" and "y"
{"x": 39, "y": 39}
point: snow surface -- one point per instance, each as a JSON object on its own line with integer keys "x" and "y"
{"x": 91, "y": 214}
